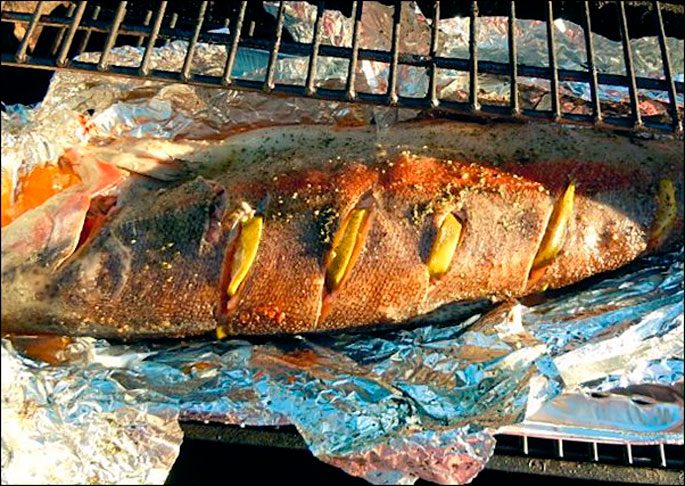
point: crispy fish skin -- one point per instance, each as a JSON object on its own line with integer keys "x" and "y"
{"x": 159, "y": 266}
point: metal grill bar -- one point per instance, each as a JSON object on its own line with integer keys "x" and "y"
{"x": 185, "y": 72}
{"x": 60, "y": 35}
{"x": 89, "y": 31}
{"x": 269, "y": 82}
{"x": 433, "y": 71}
{"x": 62, "y": 58}
{"x": 592, "y": 69}
{"x": 21, "y": 53}
{"x": 513, "y": 60}
{"x": 237, "y": 30}
{"x": 354, "y": 55}
{"x": 473, "y": 53}
{"x": 72, "y": 25}
{"x": 311, "y": 72}
{"x": 628, "y": 56}
{"x": 145, "y": 64}
{"x": 395, "y": 52}
{"x": 666, "y": 58}
{"x": 146, "y": 22}
{"x": 112, "y": 37}
{"x": 551, "y": 48}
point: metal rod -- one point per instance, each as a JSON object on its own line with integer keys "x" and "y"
{"x": 352, "y": 68}
{"x": 432, "y": 83}
{"x": 149, "y": 48}
{"x": 513, "y": 60}
{"x": 64, "y": 51}
{"x": 188, "y": 61}
{"x": 273, "y": 59}
{"x": 60, "y": 34}
{"x": 394, "y": 50}
{"x": 86, "y": 36}
{"x": 595, "y": 452}
{"x": 302, "y": 49}
{"x": 629, "y": 452}
{"x": 174, "y": 19}
{"x": 560, "y": 444}
{"x": 554, "y": 78}
{"x": 314, "y": 57}
{"x": 473, "y": 54}
{"x": 485, "y": 112}
{"x": 630, "y": 70}
{"x": 146, "y": 23}
{"x": 668, "y": 73}
{"x": 237, "y": 30}
{"x": 21, "y": 52}
{"x": 525, "y": 444}
{"x": 592, "y": 68}
{"x": 662, "y": 454}
{"x": 112, "y": 37}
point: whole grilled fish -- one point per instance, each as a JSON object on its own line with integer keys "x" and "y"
{"x": 312, "y": 228}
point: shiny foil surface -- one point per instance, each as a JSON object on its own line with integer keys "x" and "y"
{"x": 600, "y": 361}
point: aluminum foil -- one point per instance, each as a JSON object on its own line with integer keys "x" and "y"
{"x": 388, "y": 406}
{"x": 600, "y": 362}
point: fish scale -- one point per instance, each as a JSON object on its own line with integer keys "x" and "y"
{"x": 306, "y": 181}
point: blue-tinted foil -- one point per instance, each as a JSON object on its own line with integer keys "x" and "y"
{"x": 603, "y": 361}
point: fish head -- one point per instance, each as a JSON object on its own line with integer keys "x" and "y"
{"x": 115, "y": 259}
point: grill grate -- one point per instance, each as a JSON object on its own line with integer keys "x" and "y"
{"x": 657, "y": 456}
{"x": 616, "y": 463}
{"x": 150, "y": 26}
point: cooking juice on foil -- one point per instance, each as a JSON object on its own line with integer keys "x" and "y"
{"x": 398, "y": 269}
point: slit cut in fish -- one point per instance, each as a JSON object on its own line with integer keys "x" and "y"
{"x": 346, "y": 247}
{"x": 444, "y": 247}
{"x": 555, "y": 233}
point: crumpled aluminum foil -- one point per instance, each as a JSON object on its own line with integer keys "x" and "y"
{"x": 604, "y": 362}
{"x": 600, "y": 363}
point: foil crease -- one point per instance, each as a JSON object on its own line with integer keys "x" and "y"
{"x": 76, "y": 425}
{"x": 392, "y": 406}
{"x": 389, "y": 406}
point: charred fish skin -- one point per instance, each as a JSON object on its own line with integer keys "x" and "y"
{"x": 167, "y": 264}
{"x": 150, "y": 271}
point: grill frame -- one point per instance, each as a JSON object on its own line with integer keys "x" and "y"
{"x": 601, "y": 461}
{"x": 74, "y": 22}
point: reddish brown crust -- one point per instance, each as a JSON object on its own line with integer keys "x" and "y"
{"x": 389, "y": 282}
{"x": 284, "y": 290}
{"x": 590, "y": 176}
{"x": 504, "y": 209}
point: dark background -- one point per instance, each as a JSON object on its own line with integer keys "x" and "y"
{"x": 201, "y": 461}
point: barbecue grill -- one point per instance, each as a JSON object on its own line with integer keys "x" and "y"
{"x": 147, "y": 28}
{"x": 52, "y": 38}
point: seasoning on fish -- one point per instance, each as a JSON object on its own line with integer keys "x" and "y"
{"x": 362, "y": 227}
